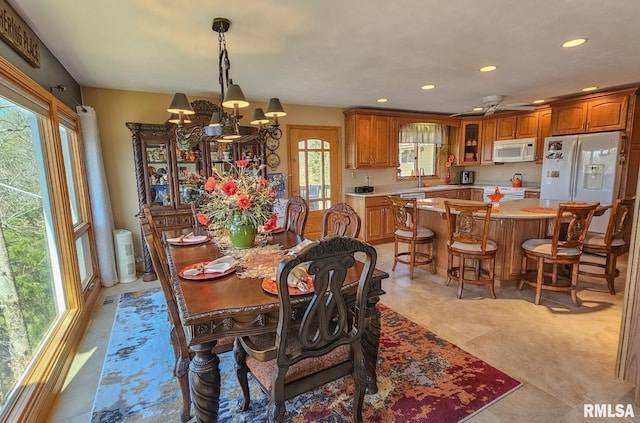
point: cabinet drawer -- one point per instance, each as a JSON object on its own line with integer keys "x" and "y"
{"x": 376, "y": 201}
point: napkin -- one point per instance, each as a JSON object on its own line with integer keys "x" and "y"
{"x": 298, "y": 278}
{"x": 218, "y": 265}
{"x": 299, "y": 247}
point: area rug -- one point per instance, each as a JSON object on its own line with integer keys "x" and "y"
{"x": 421, "y": 377}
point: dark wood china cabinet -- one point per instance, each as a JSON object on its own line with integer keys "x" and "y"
{"x": 169, "y": 173}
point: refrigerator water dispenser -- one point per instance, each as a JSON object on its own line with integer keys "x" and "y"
{"x": 593, "y": 176}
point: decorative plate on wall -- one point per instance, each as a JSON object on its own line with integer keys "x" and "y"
{"x": 272, "y": 144}
{"x": 273, "y": 160}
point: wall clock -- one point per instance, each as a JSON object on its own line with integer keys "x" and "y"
{"x": 272, "y": 144}
{"x": 273, "y": 160}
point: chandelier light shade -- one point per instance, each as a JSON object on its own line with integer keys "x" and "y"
{"x": 259, "y": 117}
{"x": 175, "y": 118}
{"x": 180, "y": 104}
{"x": 275, "y": 109}
{"x": 225, "y": 126}
{"x": 235, "y": 98}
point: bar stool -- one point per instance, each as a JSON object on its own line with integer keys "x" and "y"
{"x": 561, "y": 249}
{"x": 407, "y": 231}
{"x": 469, "y": 242}
{"x": 609, "y": 244}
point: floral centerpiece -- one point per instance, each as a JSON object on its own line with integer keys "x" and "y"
{"x": 238, "y": 199}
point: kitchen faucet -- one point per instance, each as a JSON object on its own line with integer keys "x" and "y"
{"x": 420, "y": 175}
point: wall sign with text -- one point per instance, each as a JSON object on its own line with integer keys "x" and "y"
{"x": 15, "y": 32}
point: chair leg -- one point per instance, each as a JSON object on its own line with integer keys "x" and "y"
{"x": 610, "y": 272}
{"x": 449, "y": 267}
{"x": 539, "y": 280}
{"x": 523, "y": 271}
{"x": 433, "y": 261}
{"x": 395, "y": 254}
{"x": 412, "y": 258}
{"x": 492, "y": 271}
{"x": 240, "y": 356}
{"x": 461, "y": 276}
{"x": 574, "y": 284}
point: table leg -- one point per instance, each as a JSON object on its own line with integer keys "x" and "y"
{"x": 204, "y": 380}
{"x": 370, "y": 344}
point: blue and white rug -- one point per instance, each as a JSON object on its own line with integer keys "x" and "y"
{"x": 137, "y": 382}
{"x": 421, "y": 377}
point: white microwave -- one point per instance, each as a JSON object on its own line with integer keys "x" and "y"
{"x": 509, "y": 151}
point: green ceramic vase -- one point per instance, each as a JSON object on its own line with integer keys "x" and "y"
{"x": 241, "y": 235}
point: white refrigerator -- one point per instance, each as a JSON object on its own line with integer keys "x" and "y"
{"x": 582, "y": 168}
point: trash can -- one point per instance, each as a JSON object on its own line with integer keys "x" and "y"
{"x": 125, "y": 258}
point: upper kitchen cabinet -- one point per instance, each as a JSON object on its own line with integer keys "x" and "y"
{"x": 371, "y": 139}
{"x": 544, "y": 130}
{"x": 523, "y": 125}
{"x": 591, "y": 114}
{"x": 487, "y": 137}
{"x": 469, "y": 147}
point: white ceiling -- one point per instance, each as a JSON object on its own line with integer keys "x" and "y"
{"x": 348, "y": 52}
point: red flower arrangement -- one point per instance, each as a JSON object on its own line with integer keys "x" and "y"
{"x": 242, "y": 191}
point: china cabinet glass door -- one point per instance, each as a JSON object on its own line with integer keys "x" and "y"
{"x": 190, "y": 174}
{"x": 158, "y": 176}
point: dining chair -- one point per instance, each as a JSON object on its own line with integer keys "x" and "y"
{"x": 407, "y": 231}
{"x": 178, "y": 337}
{"x": 468, "y": 242}
{"x": 296, "y": 215}
{"x": 342, "y": 220}
{"x": 321, "y": 342}
{"x": 609, "y": 244}
{"x": 564, "y": 248}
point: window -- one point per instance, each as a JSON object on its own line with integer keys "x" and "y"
{"x": 47, "y": 250}
{"x": 418, "y": 148}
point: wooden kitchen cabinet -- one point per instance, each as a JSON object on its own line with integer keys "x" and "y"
{"x": 544, "y": 130}
{"x": 523, "y": 125}
{"x": 603, "y": 113}
{"x": 371, "y": 140}
{"x": 469, "y": 147}
{"x": 487, "y": 137}
{"x": 376, "y": 217}
{"x": 476, "y": 194}
{"x": 458, "y": 194}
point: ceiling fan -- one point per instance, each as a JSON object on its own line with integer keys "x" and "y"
{"x": 492, "y": 104}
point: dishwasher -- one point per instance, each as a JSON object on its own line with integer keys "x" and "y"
{"x": 412, "y": 195}
{"x": 510, "y": 193}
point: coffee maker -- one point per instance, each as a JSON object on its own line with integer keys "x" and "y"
{"x": 466, "y": 177}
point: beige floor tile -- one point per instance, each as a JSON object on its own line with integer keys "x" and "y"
{"x": 565, "y": 356}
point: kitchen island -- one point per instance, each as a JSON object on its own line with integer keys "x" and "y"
{"x": 514, "y": 222}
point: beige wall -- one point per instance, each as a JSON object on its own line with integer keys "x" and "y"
{"x": 114, "y": 108}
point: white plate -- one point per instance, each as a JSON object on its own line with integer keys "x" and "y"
{"x": 196, "y": 239}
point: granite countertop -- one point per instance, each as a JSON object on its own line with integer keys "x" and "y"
{"x": 528, "y": 208}
{"x": 385, "y": 192}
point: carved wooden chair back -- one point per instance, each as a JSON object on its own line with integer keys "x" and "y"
{"x": 328, "y": 330}
{"x": 618, "y": 220}
{"x": 296, "y": 215}
{"x": 341, "y": 220}
{"x": 405, "y": 212}
{"x": 571, "y": 225}
{"x": 466, "y": 228}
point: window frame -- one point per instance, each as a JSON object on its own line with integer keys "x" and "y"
{"x": 34, "y": 396}
{"x": 439, "y": 152}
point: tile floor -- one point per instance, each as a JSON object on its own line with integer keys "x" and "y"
{"x": 564, "y": 356}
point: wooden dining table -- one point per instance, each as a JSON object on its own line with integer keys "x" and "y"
{"x": 232, "y": 306}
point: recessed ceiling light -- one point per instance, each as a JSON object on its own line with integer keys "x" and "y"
{"x": 574, "y": 43}
{"x": 477, "y": 109}
{"x": 382, "y": 100}
{"x": 590, "y": 89}
{"x": 428, "y": 87}
{"x": 488, "y": 68}
{"x": 537, "y": 101}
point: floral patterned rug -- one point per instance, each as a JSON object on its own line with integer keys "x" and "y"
{"x": 421, "y": 377}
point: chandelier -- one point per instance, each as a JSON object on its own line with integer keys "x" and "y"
{"x": 224, "y": 126}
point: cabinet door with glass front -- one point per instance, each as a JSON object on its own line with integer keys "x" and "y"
{"x": 158, "y": 173}
{"x": 189, "y": 176}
